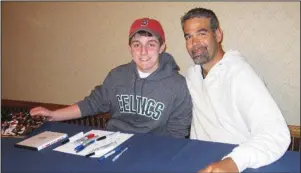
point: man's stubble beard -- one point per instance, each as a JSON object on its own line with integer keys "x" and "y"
{"x": 202, "y": 57}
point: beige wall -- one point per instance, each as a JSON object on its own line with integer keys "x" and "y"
{"x": 58, "y": 51}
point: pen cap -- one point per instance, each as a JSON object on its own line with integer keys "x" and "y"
{"x": 119, "y": 148}
{"x": 79, "y": 148}
{"x": 91, "y": 135}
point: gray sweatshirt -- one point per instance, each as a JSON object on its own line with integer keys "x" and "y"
{"x": 159, "y": 104}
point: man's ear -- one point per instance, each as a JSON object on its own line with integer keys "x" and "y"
{"x": 162, "y": 48}
{"x": 130, "y": 49}
{"x": 219, "y": 35}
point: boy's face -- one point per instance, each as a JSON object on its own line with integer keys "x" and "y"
{"x": 145, "y": 52}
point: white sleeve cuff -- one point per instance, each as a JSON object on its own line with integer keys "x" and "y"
{"x": 239, "y": 160}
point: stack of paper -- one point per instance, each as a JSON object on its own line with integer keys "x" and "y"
{"x": 100, "y": 147}
{"x": 42, "y": 140}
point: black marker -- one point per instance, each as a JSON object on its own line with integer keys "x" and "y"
{"x": 104, "y": 137}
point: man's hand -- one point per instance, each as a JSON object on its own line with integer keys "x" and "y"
{"x": 227, "y": 165}
{"x": 40, "y": 111}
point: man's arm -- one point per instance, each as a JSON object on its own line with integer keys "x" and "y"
{"x": 270, "y": 135}
{"x": 70, "y": 112}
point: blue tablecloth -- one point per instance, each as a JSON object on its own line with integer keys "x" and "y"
{"x": 146, "y": 154}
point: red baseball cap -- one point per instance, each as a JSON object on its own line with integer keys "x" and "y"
{"x": 146, "y": 24}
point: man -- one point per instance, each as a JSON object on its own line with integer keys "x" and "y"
{"x": 230, "y": 102}
{"x": 147, "y": 95}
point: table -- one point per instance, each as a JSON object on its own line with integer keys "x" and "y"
{"x": 147, "y": 153}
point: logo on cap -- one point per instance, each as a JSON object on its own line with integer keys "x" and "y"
{"x": 144, "y": 22}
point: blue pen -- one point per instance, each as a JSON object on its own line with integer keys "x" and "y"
{"x": 108, "y": 154}
{"x": 85, "y": 144}
{"x": 118, "y": 155}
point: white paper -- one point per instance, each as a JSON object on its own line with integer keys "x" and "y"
{"x": 115, "y": 140}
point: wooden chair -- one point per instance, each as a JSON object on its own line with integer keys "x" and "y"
{"x": 295, "y": 138}
{"x": 99, "y": 120}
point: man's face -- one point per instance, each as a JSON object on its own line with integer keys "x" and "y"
{"x": 201, "y": 41}
{"x": 145, "y": 52}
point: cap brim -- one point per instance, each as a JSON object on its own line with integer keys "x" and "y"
{"x": 144, "y": 29}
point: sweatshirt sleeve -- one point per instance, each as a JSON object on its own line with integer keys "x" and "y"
{"x": 98, "y": 100}
{"x": 270, "y": 135}
{"x": 180, "y": 118}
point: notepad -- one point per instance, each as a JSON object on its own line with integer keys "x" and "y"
{"x": 42, "y": 140}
